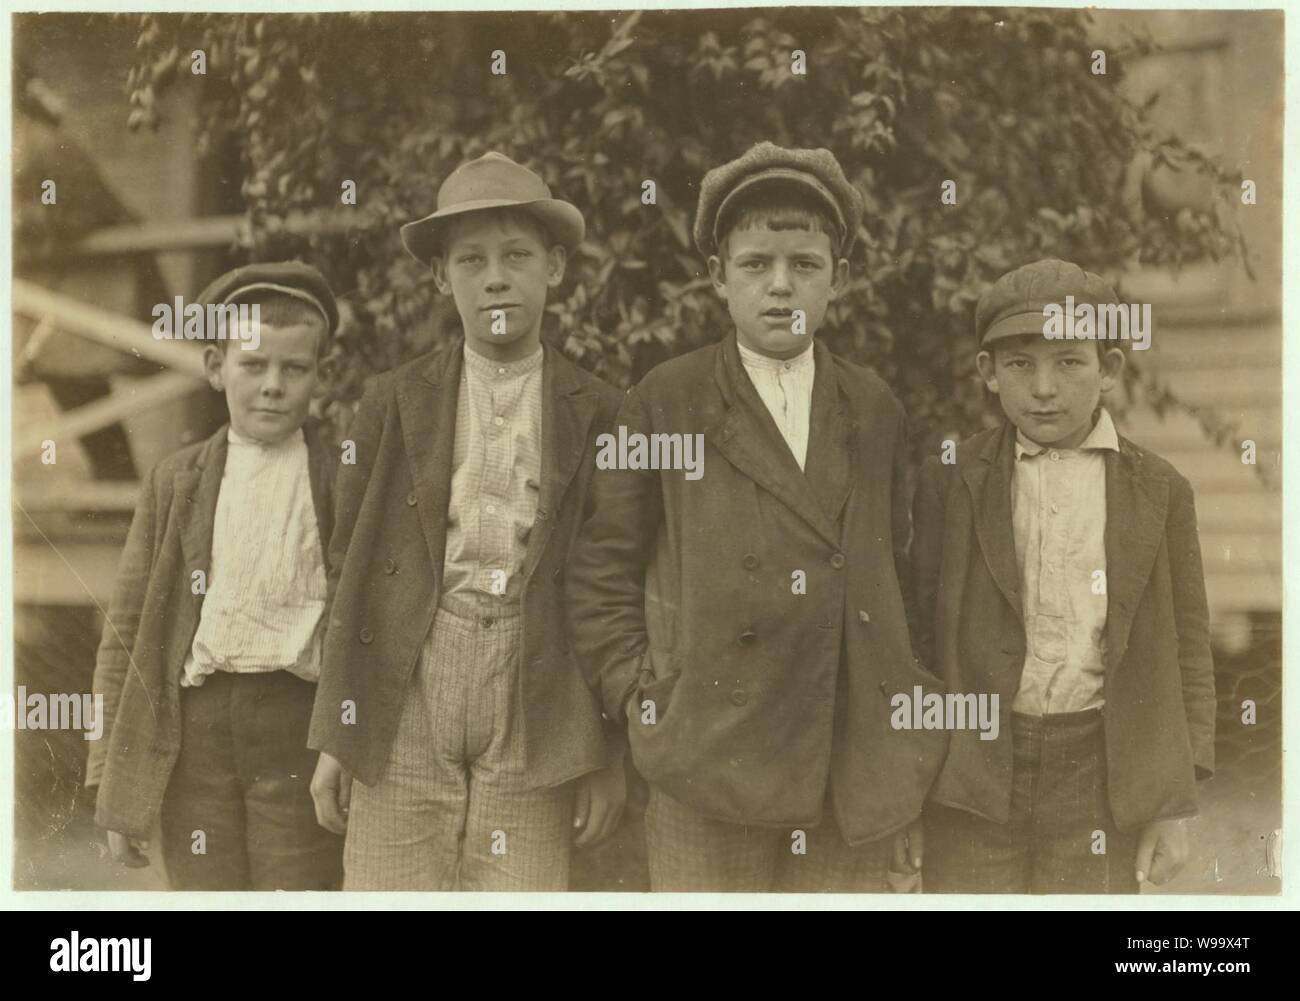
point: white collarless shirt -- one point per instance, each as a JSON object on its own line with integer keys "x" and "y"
{"x": 785, "y": 386}
{"x": 265, "y": 596}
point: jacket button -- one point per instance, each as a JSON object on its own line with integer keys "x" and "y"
{"x": 410, "y": 499}
{"x": 390, "y": 567}
{"x": 863, "y": 616}
{"x": 738, "y": 697}
{"x": 838, "y": 561}
{"x": 747, "y": 637}
{"x": 367, "y": 636}
{"x": 751, "y": 561}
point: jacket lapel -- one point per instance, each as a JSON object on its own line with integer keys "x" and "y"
{"x": 196, "y": 490}
{"x": 426, "y": 407}
{"x": 989, "y": 481}
{"x": 832, "y": 441}
{"x": 568, "y": 409}
{"x": 748, "y": 438}
{"x": 1132, "y": 540}
{"x": 320, "y": 468}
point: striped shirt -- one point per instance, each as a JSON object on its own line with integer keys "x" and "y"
{"x": 1058, "y": 517}
{"x": 496, "y": 475}
{"x": 265, "y": 596}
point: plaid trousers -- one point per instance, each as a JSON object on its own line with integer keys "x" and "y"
{"x": 689, "y": 852}
{"x": 453, "y": 808}
{"x": 1059, "y": 803}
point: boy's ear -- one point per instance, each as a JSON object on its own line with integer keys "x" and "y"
{"x": 1112, "y": 364}
{"x": 987, "y": 369}
{"x": 718, "y": 276}
{"x": 840, "y": 278}
{"x": 556, "y": 258}
{"x": 438, "y": 265}
{"x": 214, "y": 359}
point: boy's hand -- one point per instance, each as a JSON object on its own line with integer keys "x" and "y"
{"x": 598, "y": 803}
{"x": 331, "y": 791}
{"x": 909, "y": 848}
{"x": 1162, "y": 851}
{"x": 129, "y": 851}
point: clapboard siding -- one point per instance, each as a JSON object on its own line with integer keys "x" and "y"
{"x": 1235, "y": 369}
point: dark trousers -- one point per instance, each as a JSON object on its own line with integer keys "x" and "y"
{"x": 691, "y": 852}
{"x": 1059, "y": 810}
{"x": 238, "y": 811}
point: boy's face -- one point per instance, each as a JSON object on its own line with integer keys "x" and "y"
{"x": 268, "y": 389}
{"x": 498, "y": 270}
{"x": 767, "y": 276}
{"x": 1050, "y": 388}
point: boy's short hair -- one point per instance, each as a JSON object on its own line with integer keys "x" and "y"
{"x": 1019, "y": 340}
{"x": 279, "y": 309}
{"x": 777, "y": 207}
{"x": 505, "y": 214}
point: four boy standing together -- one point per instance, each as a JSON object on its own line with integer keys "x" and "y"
{"x": 491, "y": 621}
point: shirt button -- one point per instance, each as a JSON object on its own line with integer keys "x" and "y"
{"x": 1056, "y": 509}
{"x": 410, "y": 499}
{"x": 738, "y": 697}
{"x": 491, "y": 509}
{"x": 863, "y": 616}
{"x": 498, "y": 420}
{"x": 487, "y": 622}
{"x": 838, "y": 561}
{"x": 1054, "y": 454}
{"x": 501, "y": 371}
{"x": 367, "y": 636}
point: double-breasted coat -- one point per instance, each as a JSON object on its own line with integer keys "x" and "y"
{"x": 761, "y": 609}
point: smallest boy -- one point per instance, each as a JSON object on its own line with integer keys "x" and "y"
{"x": 1058, "y": 569}
{"x": 211, "y": 650}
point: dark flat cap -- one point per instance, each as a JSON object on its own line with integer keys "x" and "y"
{"x": 292, "y": 278}
{"x": 1013, "y": 305}
{"x": 493, "y": 181}
{"x": 815, "y": 170}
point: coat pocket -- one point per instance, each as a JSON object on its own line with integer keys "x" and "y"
{"x": 660, "y": 673}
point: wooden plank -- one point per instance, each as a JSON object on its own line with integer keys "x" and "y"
{"x": 207, "y": 233}
{"x": 76, "y": 496}
{"x": 144, "y": 394}
{"x": 105, "y": 327}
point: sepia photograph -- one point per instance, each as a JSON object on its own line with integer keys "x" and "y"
{"x": 755, "y": 450}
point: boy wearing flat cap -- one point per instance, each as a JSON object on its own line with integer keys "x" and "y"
{"x": 1058, "y": 568}
{"x": 749, "y": 623}
{"x": 449, "y": 690}
{"x": 212, "y": 644}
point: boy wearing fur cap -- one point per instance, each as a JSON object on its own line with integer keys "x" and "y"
{"x": 211, "y": 648}
{"x": 448, "y": 688}
{"x": 1058, "y": 569}
{"x": 748, "y": 620}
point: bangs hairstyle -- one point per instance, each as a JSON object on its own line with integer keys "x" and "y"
{"x": 505, "y": 215}
{"x": 276, "y": 309}
{"x": 1020, "y": 340}
{"x": 777, "y": 207}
